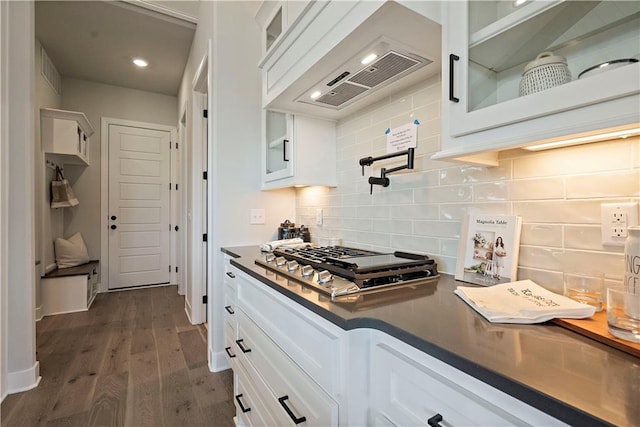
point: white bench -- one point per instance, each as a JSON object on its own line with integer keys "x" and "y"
{"x": 66, "y": 290}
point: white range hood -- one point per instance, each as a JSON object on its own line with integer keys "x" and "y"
{"x": 403, "y": 46}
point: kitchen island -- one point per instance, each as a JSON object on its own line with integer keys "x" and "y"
{"x": 572, "y": 378}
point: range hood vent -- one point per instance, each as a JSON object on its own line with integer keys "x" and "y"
{"x": 388, "y": 68}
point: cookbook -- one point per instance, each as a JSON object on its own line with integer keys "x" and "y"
{"x": 488, "y": 249}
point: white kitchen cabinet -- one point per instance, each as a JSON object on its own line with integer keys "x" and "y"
{"x": 65, "y": 136}
{"x": 297, "y": 150}
{"x": 409, "y": 387}
{"x": 289, "y": 394}
{"x": 486, "y": 46}
{"x": 68, "y": 290}
{"x": 274, "y": 17}
{"x": 286, "y": 361}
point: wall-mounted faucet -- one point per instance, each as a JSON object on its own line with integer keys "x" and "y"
{"x": 383, "y": 180}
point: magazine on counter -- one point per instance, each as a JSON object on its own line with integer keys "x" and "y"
{"x": 523, "y": 301}
{"x": 488, "y": 250}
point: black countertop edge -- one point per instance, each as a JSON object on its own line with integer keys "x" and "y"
{"x": 229, "y": 252}
{"x": 520, "y": 391}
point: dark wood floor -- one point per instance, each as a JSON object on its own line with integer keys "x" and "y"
{"x": 133, "y": 359}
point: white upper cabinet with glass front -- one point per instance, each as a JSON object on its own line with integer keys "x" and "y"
{"x": 488, "y": 44}
{"x": 297, "y": 151}
{"x": 274, "y": 17}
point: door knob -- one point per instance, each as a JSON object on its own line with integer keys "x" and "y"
{"x": 113, "y": 226}
{"x": 113, "y": 217}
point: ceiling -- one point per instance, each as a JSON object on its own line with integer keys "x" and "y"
{"x": 96, "y": 41}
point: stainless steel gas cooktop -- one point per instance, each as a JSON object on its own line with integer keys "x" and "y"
{"x": 339, "y": 270}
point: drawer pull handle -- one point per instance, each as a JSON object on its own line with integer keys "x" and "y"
{"x": 452, "y": 59}
{"x": 242, "y": 347}
{"x": 228, "y": 350}
{"x": 245, "y": 410}
{"x": 230, "y": 274}
{"x": 229, "y": 309}
{"x": 435, "y": 420}
{"x": 289, "y": 411}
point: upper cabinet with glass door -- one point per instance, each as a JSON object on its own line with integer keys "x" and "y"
{"x": 278, "y": 148}
{"x": 488, "y": 44}
{"x": 275, "y": 17}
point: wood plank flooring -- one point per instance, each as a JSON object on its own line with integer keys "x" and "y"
{"x": 133, "y": 360}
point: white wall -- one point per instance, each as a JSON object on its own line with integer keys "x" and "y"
{"x": 235, "y": 141}
{"x": 557, "y": 192}
{"x": 97, "y": 100}
{"x": 22, "y": 366}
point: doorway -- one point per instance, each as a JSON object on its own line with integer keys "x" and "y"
{"x": 198, "y": 215}
{"x": 137, "y": 227}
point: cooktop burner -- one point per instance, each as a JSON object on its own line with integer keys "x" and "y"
{"x": 341, "y": 270}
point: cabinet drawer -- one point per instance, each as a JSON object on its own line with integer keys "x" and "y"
{"x": 249, "y": 406}
{"x": 406, "y": 391}
{"x": 313, "y": 343}
{"x": 291, "y": 393}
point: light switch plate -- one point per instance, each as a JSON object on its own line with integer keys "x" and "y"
{"x": 615, "y": 219}
{"x": 257, "y": 216}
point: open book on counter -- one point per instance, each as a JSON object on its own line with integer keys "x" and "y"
{"x": 523, "y": 301}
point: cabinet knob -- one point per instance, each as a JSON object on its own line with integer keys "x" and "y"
{"x": 452, "y": 59}
{"x": 293, "y": 417}
{"x": 245, "y": 410}
{"x": 244, "y": 349}
{"x": 113, "y": 217}
{"x": 113, "y": 226}
{"x": 435, "y": 420}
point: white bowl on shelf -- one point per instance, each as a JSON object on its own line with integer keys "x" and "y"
{"x": 606, "y": 66}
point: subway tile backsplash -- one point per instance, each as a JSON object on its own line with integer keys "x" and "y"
{"x": 557, "y": 192}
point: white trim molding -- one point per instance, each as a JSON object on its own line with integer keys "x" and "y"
{"x": 24, "y": 380}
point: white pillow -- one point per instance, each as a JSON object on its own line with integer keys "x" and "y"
{"x": 71, "y": 252}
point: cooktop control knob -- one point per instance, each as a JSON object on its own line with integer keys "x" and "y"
{"x": 280, "y": 261}
{"x": 307, "y": 271}
{"x": 324, "y": 277}
{"x": 269, "y": 257}
{"x": 292, "y": 265}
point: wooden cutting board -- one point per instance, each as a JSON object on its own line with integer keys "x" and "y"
{"x": 596, "y": 328}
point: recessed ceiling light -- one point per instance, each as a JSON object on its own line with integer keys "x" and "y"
{"x": 519, "y": 2}
{"x": 315, "y": 94}
{"x": 140, "y": 62}
{"x": 368, "y": 59}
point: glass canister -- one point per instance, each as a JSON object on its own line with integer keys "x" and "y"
{"x": 632, "y": 260}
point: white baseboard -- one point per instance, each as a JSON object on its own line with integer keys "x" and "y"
{"x": 24, "y": 380}
{"x": 187, "y": 310}
{"x": 218, "y": 361}
{"x": 39, "y": 315}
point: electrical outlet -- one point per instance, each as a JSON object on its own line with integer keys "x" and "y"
{"x": 257, "y": 216}
{"x": 614, "y": 221}
{"x": 318, "y": 216}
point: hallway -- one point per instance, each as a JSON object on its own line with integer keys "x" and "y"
{"x": 133, "y": 359}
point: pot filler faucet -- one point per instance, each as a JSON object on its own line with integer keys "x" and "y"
{"x": 383, "y": 180}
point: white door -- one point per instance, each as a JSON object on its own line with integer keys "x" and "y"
{"x": 139, "y": 171}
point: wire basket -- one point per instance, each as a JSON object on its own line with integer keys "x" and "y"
{"x": 545, "y": 72}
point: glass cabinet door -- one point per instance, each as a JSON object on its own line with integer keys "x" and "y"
{"x": 278, "y": 145}
{"x": 514, "y": 60}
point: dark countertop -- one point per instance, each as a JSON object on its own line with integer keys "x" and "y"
{"x": 571, "y": 377}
